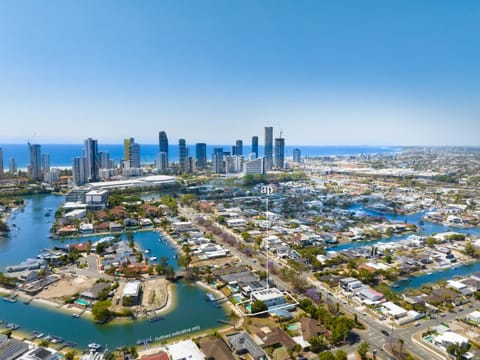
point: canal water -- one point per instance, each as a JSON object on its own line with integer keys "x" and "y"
{"x": 420, "y": 280}
{"x": 427, "y": 229}
{"x": 30, "y": 234}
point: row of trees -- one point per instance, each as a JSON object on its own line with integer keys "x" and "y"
{"x": 339, "y": 326}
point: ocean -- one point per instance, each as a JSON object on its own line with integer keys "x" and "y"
{"x": 61, "y": 155}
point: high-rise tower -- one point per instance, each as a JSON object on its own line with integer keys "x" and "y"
{"x": 218, "y": 161}
{"x": 163, "y": 144}
{"x": 126, "y": 148}
{"x": 268, "y": 150}
{"x": 12, "y": 166}
{"x": 182, "y": 154}
{"x": 201, "y": 155}
{"x": 35, "y": 166}
{"x": 45, "y": 163}
{"x": 134, "y": 154}
{"x": 255, "y": 145}
{"x": 280, "y": 153}
{"x": 297, "y": 155}
{"x": 79, "y": 171}
{"x": 91, "y": 159}
{"x": 238, "y": 148}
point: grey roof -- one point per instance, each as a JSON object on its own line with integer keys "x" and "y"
{"x": 243, "y": 342}
{"x": 10, "y": 348}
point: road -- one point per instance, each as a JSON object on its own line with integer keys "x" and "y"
{"x": 373, "y": 334}
{"x": 92, "y": 269}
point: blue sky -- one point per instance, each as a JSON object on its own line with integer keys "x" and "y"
{"x": 327, "y": 72}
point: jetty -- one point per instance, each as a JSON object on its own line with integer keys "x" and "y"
{"x": 155, "y": 317}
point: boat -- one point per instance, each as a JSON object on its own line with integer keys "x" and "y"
{"x": 7, "y": 299}
{"x": 12, "y": 326}
{"x": 75, "y": 316}
{"x": 147, "y": 251}
{"x": 429, "y": 273}
{"x": 152, "y": 258}
{"x": 155, "y": 318}
{"x": 210, "y": 297}
{"x": 94, "y": 346}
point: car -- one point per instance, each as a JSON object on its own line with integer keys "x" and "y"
{"x": 443, "y": 315}
{"x": 385, "y": 332}
{"x": 416, "y": 323}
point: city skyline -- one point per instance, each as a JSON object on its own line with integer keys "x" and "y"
{"x": 326, "y": 73}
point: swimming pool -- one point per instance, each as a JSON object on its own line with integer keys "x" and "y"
{"x": 82, "y": 302}
{"x": 292, "y": 327}
{"x": 429, "y": 338}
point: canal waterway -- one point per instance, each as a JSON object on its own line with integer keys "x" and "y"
{"x": 426, "y": 229}
{"x": 31, "y": 233}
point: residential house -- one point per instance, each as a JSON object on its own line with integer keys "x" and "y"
{"x": 242, "y": 343}
{"x": 215, "y": 348}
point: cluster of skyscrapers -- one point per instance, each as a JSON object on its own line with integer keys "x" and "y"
{"x": 93, "y": 165}
{"x": 96, "y": 165}
{"x": 225, "y": 161}
{"x": 39, "y": 164}
{"x": 38, "y": 167}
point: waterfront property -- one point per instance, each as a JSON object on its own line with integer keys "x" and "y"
{"x": 189, "y": 309}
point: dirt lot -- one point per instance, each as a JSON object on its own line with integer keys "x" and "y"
{"x": 66, "y": 287}
{"x": 155, "y": 296}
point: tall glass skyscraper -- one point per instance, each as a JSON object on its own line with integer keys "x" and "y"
{"x": 163, "y": 144}
{"x": 45, "y": 163}
{"x": 12, "y": 167}
{"x": 238, "y": 148}
{"x": 91, "y": 159}
{"x": 79, "y": 171}
{"x": 279, "y": 153}
{"x": 182, "y": 154}
{"x": 35, "y": 166}
{"x": 134, "y": 154}
{"x": 255, "y": 145}
{"x": 201, "y": 155}
{"x": 297, "y": 155}
{"x": 268, "y": 151}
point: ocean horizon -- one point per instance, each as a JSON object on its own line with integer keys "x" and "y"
{"x": 61, "y": 155}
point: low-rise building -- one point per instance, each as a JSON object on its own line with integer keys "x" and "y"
{"x": 394, "y": 311}
{"x": 271, "y": 297}
{"x": 96, "y": 199}
{"x": 185, "y": 350}
{"x": 132, "y": 292}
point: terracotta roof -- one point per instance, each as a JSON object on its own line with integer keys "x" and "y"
{"x": 159, "y": 356}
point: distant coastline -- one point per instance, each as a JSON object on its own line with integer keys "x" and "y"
{"x": 61, "y": 155}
